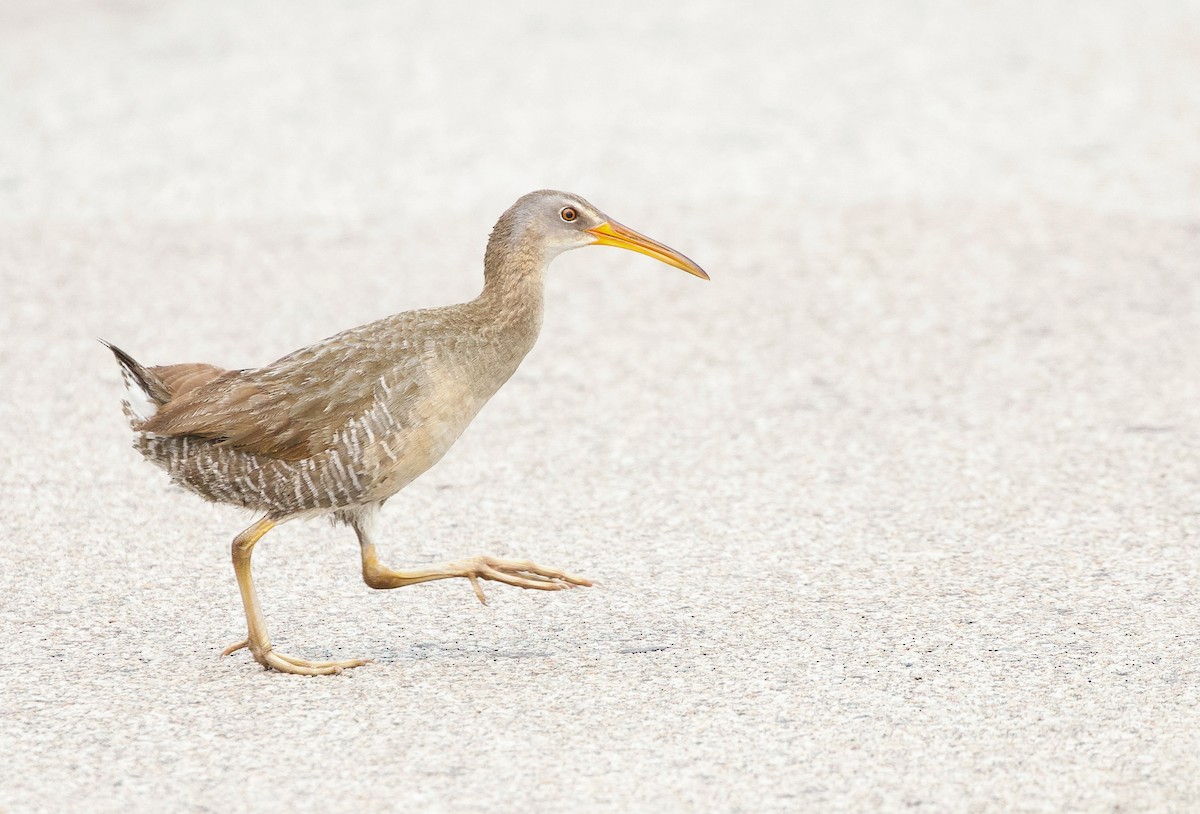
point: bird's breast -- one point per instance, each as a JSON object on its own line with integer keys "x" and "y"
{"x": 409, "y": 433}
{"x": 420, "y": 409}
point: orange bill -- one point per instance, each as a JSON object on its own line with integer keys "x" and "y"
{"x": 611, "y": 233}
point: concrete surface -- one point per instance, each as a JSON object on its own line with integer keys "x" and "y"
{"x": 900, "y": 511}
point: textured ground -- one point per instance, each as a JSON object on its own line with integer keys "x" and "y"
{"x": 901, "y": 510}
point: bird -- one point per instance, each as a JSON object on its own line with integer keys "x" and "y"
{"x": 337, "y": 428}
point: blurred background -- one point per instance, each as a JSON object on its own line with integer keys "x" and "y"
{"x": 384, "y": 111}
{"x": 899, "y": 510}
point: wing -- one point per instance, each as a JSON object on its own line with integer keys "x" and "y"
{"x": 293, "y": 408}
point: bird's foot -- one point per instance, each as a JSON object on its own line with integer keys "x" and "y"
{"x": 521, "y": 573}
{"x": 268, "y": 658}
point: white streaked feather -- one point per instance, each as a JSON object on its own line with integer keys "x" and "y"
{"x": 137, "y": 400}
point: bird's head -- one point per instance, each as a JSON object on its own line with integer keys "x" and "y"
{"x": 553, "y": 222}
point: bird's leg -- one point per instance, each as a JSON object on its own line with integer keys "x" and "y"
{"x": 521, "y": 573}
{"x": 257, "y": 639}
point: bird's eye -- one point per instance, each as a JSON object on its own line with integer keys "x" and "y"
{"x": 568, "y": 213}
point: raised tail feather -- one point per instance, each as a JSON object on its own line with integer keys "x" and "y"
{"x": 144, "y": 392}
{"x": 148, "y": 388}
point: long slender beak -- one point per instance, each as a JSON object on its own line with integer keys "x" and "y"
{"x": 611, "y": 233}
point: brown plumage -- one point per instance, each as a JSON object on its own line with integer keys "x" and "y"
{"x": 342, "y": 425}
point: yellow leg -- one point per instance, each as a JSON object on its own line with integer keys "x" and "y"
{"x": 257, "y": 639}
{"x": 521, "y": 573}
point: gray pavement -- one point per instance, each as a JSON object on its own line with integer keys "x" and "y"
{"x": 900, "y": 511}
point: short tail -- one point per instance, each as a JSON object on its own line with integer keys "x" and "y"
{"x": 145, "y": 391}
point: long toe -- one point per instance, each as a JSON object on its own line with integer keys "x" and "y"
{"x": 317, "y": 665}
{"x": 284, "y": 663}
{"x": 526, "y": 574}
{"x": 297, "y": 666}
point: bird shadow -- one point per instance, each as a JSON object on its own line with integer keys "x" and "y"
{"x": 423, "y": 651}
{"x": 441, "y": 651}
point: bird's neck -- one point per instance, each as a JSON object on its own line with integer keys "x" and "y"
{"x": 514, "y": 273}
